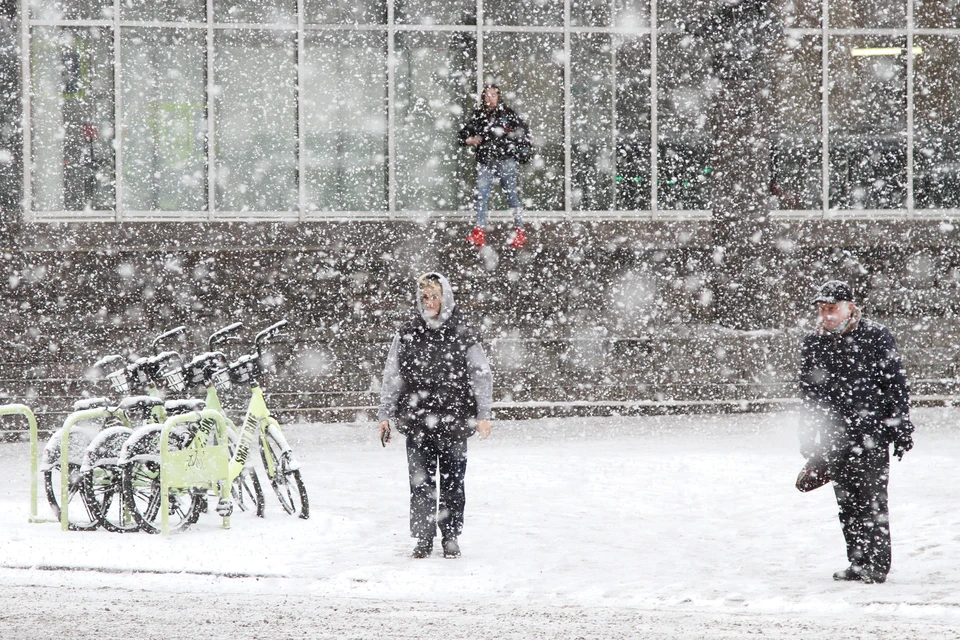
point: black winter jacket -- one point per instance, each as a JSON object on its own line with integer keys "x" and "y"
{"x": 502, "y": 130}
{"x": 856, "y": 386}
{"x": 436, "y": 393}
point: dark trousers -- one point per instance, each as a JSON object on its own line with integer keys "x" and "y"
{"x": 861, "y": 488}
{"x": 426, "y": 454}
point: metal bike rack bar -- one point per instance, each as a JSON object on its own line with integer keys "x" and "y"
{"x": 72, "y": 419}
{"x": 25, "y": 411}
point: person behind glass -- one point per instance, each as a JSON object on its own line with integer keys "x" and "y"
{"x": 499, "y": 136}
{"x": 438, "y": 386}
{"x": 857, "y": 403}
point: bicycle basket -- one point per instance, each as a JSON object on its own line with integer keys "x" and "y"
{"x": 174, "y": 379}
{"x": 221, "y": 378}
{"x": 246, "y": 369}
{"x": 119, "y": 380}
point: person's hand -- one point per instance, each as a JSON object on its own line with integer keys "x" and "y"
{"x": 474, "y": 140}
{"x": 484, "y": 428}
{"x": 384, "y": 432}
{"x": 902, "y": 444}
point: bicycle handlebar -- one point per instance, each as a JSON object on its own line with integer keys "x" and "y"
{"x": 225, "y": 334}
{"x": 106, "y": 361}
{"x": 269, "y": 332}
{"x": 167, "y": 334}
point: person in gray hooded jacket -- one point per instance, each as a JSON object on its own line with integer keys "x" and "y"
{"x": 438, "y": 388}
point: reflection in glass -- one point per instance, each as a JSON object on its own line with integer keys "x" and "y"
{"x": 164, "y": 10}
{"x": 868, "y": 99}
{"x": 71, "y": 9}
{"x": 633, "y": 123}
{"x": 435, "y": 77}
{"x": 345, "y": 11}
{"x": 256, "y": 120}
{"x": 529, "y": 71}
{"x": 344, "y": 105}
{"x": 868, "y": 14}
{"x": 684, "y": 143}
{"x": 624, "y": 14}
{"x": 530, "y": 13}
{"x": 258, "y": 11}
{"x": 937, "y": 14}
{"x": 72, "y": 119}
{"x": 796, "y": 142}
{"x": 435, "y": 11}
{"x": 164, "y": 123}
{"x": 936, "y": 154}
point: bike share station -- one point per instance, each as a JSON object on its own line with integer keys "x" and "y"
{"x": 147, "y": 459}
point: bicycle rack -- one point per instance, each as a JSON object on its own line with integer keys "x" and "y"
{"x": 204, "y": 466}
{"x": 25, "y": 411}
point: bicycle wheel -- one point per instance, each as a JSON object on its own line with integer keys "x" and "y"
{"x": 141, "y": 490}
{"x": 81, "y": 517}
{"x": 288, "y": 484}
{"x": 247, "y": 492}
{"x": 102, "y": 489}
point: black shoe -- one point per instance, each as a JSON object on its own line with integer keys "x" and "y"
{"x": 872, "y": 577}
{"x": 423, "y": 549}
{"x": 851, "y": 573}
{"x": 451, "y": 549}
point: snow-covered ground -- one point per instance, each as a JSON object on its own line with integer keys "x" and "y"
{"x": 653, "y": 527}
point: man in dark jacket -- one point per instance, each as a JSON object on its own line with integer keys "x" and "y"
{"x": 500, "y": 137}
{"x": 438, "y": 386}
{"x": 857, "y": 399}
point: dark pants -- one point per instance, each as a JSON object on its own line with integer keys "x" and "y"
{"x": 426, "y": 454}
{"x": 861, "y": 489}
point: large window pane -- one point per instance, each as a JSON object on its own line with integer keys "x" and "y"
{"x": 256, "y": 120}
{"x": 937, "y": 14}
{"x": 344, "y": 106}
{"x": 71, "y": 9}
{"x": 261, "y": 11}
{"x": 799, "y": 14}
{"x": 796, "y": 143}
{"x": 624, "y": 14}
{"x": 436, "y": 11}
{"x": 528, "y": 67}
{"x": 72, "y": 119}
{"x": 592, "y": 124}
{"x": 868, "y": 14}
{"x": 164, "y": 10}
{"x": 164, "y": 123}
{"x": 936, "y": 154}
{"x": 684, "y": 143}
{"x": 435, "y": 77}
{"x": 345, "y": 11}
{"x": 868, "y": 98}
{"x": 633, "y": 123}
{"x": 531, "y": 13}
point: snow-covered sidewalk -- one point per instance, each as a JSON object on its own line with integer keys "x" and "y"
{"x": 660, "y": 527}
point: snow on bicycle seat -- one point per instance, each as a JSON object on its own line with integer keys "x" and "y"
{"x": 179, "y": 407}
{"x": 90, "y": 403}
{"x": 140, "y": 402}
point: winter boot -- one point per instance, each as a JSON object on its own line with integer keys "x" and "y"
{"x": 851, "y": 573}
{"x": 423, "y": 549}
{"x": 477, "y": 237}
{"x": 451, "y": 549}
{"x": 518, "y": 239}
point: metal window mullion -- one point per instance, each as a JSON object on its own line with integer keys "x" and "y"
{"x": 301, "y": 119}
{"x": 654, "y": 107}
{"x": 391, "y": 97}
{"x": 211, "y": 125}
{"x": 613, "y": 119}
{"x": 910, "y": 72}
{"x": 117, "y": 114}
{"x": 25, "y": 119}
{"x": 479, "y": 50}
{"x": 825, "y": 109}
{"x": 567, "y": 125}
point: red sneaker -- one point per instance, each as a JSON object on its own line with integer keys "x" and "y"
{"x": 519, "y": 239}
{"x": 477, "y": 237}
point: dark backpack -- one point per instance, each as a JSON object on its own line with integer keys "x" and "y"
{"x": 524, "y": 151}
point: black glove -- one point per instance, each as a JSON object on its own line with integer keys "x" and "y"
{"x": 902, "y": 444}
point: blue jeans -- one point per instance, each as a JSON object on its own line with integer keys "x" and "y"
{"x": 507, "y": 172}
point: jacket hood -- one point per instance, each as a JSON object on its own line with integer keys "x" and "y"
{"x": 447, "y": 303}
